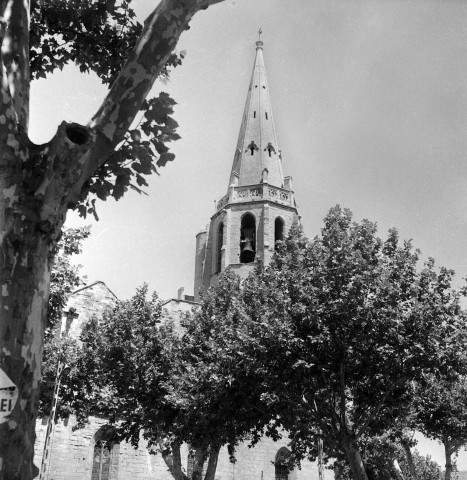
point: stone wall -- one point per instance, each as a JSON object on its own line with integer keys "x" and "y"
{"x": 85, "y": 303}
{"x": 72, "y": 458}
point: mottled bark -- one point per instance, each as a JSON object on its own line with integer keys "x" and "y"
{"x": 37, "y": 186}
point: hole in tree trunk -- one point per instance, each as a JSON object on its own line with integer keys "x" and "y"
{"x": 77, "y": 134}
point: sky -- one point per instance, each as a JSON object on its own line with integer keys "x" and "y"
{"x": 370, "y": 108}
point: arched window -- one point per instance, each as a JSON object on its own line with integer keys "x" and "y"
{"x": 280, "y": 464}
{"x": 220, "y": 243}
{"x": 105, "y": 457}
{"x": 278, "y": 231}
{"x": 248, "y": 239}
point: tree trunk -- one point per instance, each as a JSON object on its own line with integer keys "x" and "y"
{"x": 198, "y": 463}
{"x": 27, "y": 244}
{"x": 449, "y": 466}
{"x": 396, "y": 469}
{"x": 174, "y": 462}
{"x": 37, "y": 186}
{"x": 354, "y": 458}
{"x": 212, "y": 463}
{"x": 408, "y": 455}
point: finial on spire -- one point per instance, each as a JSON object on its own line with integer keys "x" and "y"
{"x": 259, "y": 43}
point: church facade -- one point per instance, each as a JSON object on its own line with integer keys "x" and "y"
{"x": 257, "y": 210}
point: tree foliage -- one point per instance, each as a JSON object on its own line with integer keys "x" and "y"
{"x": 124, "y": 141}
{"x": 65, "y": 278}
{"x": 355, "y": 323}
{"x": 98, "y": 37}
{"x": 441, "y": 411}
{"x": 172, "y": 383}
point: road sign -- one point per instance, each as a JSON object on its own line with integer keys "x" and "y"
{"x": 8, "y": 396}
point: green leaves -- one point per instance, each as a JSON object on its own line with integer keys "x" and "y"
{"x": 355, "y": 323}
{"x": 99, "y": 36}
{"x": 143, "y": 150}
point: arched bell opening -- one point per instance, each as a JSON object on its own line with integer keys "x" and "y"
{"x": 248, "y": 239}
{"x": 278, "y": 231}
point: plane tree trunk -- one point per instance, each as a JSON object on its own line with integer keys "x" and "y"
{"x": 38, "y": 184}
{"x": 354, "y": 458}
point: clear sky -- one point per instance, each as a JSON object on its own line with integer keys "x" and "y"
{"x": 370, "y": 106}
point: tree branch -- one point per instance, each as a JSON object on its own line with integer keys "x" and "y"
{"x": 373, "y": 413}
{"x": 160, "y": 34}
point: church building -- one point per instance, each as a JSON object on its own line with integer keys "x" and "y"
{"x": 257, "y": 210}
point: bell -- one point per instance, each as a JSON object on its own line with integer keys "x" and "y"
{"x": 247, "y": 254}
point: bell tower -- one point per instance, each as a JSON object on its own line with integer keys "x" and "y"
{"x": 259, "y": 206}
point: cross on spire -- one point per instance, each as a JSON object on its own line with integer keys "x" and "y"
{"x": 260, "y": 31}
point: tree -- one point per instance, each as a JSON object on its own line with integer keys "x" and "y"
{"x": 353, "y": 324}
{"x": 173, "y": 385}
{"x": 65, "y": 278}
{"x": 39, "y": 183}
{"x": 441, "y": 406}
{"x": 387, "y": 461}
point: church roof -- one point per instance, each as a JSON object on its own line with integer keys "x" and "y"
{"x": 257, "y": 157}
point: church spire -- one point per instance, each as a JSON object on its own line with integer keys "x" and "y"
{"x": 257, "y": 156}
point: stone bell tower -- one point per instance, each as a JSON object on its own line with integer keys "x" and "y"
{"x": 259, "y": 206}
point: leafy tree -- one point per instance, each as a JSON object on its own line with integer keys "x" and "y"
{"x": 353, "y": 324}
{"x": 39, "y": 183}
{"x": 171, "y": 384}
{"x": 387, "y": 461}
{"x": 65, "y": 278}
{"x": 441, "y": 406}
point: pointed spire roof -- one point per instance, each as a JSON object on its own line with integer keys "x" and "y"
{"x": 257, "y": 156}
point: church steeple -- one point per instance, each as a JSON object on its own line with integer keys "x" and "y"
{"x": 259, "y": 207}
{"x": 257, "y": 157}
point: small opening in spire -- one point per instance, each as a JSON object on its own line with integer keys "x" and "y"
{"x": 252, "y": 147}
{"x": 270, "y": 148}
{"x": 264, "y": 87}
{"x": 266, "y": 113}
{"x": 254, "y": 114}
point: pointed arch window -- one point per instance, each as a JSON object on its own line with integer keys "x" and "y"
{"x": 220, "y": 243}
{"x": 282, "y": 470}
{"x": 248, "y": 239}
{"x": 252, "y": 147}
{"x": 105, "y": 456}
{"x": 278, "y": 231}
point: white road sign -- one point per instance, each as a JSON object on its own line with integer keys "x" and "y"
{"x": 8, "y": 396}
